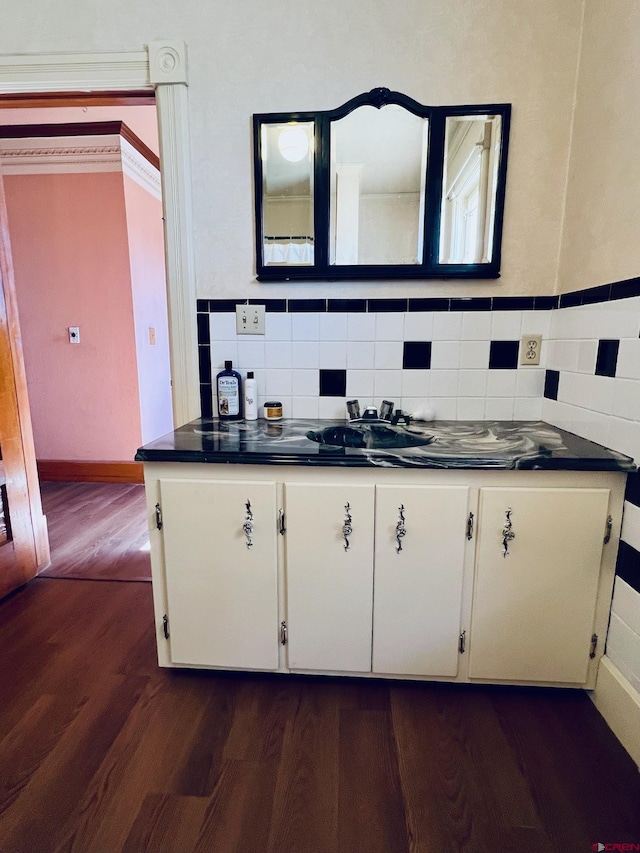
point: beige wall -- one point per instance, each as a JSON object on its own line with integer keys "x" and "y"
{"x": 250, "y": 56}
{"x": 600, "y": 240}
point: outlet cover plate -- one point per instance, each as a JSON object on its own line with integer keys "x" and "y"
{"x": 250, "y": 319}
{"x": 530, "y": 346}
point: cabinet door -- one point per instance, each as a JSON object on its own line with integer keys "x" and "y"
{"x": 533, "y": 609}
{"x": 418, "y": 589}
{"x": 329, "y": 586}
{"x": 222, "y": 595}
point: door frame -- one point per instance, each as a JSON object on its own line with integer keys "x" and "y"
{"x": 160, "y": 66}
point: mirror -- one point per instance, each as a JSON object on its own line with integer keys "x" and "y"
{"x": 382, "y": 187}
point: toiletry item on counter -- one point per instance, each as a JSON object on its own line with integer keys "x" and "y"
{"x": 273, "y": 410}
{"x": 229, "y": 391}
{"x": 250, "y": 398}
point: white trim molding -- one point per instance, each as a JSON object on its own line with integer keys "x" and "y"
{"x": 619, "y": 704}
{"x": 161, "y": 66}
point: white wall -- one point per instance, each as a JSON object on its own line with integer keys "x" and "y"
{"x": 248, "y": 56}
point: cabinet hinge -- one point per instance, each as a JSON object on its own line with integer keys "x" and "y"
{"x": 283, "y": 633}
{"x": 158, "y": 517}
{"x": 281, "y": 522}
{"x": 165, "y": 626}
{"x": 594, "y": 643}
{"x": 470, "y": 526}
{"x": 462, "y": 642}
{"x": 608, "y": 528}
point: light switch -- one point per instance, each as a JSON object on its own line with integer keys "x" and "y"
{"x": 74, "y": 334}
{"x": 250, "y": 319}
{"x": 152, "y": 336}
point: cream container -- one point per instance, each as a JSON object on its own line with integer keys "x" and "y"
{"x": 273, "y": 410}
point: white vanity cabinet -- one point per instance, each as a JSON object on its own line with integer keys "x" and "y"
{"x": 220, "y": 572}
{"x": 387, "y": 572}
{"x": 536, "y": 583}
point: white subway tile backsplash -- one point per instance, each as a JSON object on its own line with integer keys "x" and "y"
{"x": 470, "y": 408}
{"x": 304, "y": 382}
{"x": 360, "y": 354}
{"x": 360, "y": 385}
{"x": 223, "y": 351}
{"x": 474, "y": 354}
{"x": 305, "y": 407}
{"x": 506, "y": 325}
{"x": 501, "y": 383}
{"x": 631, "y": 525}
{"x": 332, "y": 407}
{"x": 628, "y": 366}
{"x": 626, "y": 604}
{"x": 333, "y": 355}
{"x": 222, "y": 326}
{"x": 626, "y": 399}
{"x": 537, "y": 323}
{"x": 445, "y": 408}
{"x": 306, "y": 327}
{"x": 387, "y": 383}
{"x": 277, "y": 383}
{"x": 527, "y": 409}
{"x": 418, "y": 326}
{"x": 278, "y": 327}
{"x": 278, "y": 354}
{"x": 499, "y": 408}
{"x": 444, "y": 383}
{"x": 445, "y": 355}
{"x": 388, "y": 355}
{"x": 529, "y": 382}
{"x": 587, "y": 354}
{"x": 389, "y": 326}
{"x": 476, "y": 325}
{"x": 361, "y": 327}
{"x": 472, "y": 383}
{"x": 447, "y": 326}
{"x": 416, "y": 383}
{"x": 305, "y": 353}
{"x": 334, "y": 327}
{"x": 250, "y": 353}
{"x": 623, "y": 647}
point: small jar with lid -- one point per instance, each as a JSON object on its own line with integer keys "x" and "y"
{"x": 273, "y": 410}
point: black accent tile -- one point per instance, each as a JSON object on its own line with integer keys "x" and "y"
{"x": 607, "y": 358}
{"x": 206, "y": 401}
{"x": 596, "y": 294}
{"x": 353, "y": 306}
{"x": 271, "y": 306}
{"x": 204, "y": 363}
{"x": 625, "y": 289}
{"x": 220, "y": 306}
{"x": 632, "y": 493}
{"x": 628, "y": 566}
{"x": 416, "y": 355}
{"x": 570, "y": 300}
{"x": 475, "y": 303}
{"x": 202, "y": 305}
{"x": 204, "y": 335}
{"x": 545, "y": 303}
{"x": 306, "y": 306}
{"x": 387, "y": 305}
{"x": 512, "y": 303}
{"x": 426, "y": 304}
{"x": 551, "y": 383}
{"x": 503, "y": 355}
{"x": 333, "y": 383}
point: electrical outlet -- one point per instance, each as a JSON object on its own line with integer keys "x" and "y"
{"x": 74, "y": 334}
{"x": 250, "y": 319}
{"x": 530, "y": 347}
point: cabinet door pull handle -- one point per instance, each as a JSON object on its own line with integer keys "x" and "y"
{"x": 401, "y": 530}
{"x": 281, "y": 523}
{"x": 283, "y": 633}
{"x": 470, "y": 526}
{"x": 608, "y": 529}
{"x": 247, "y": 527}
{"x": 507, "y": 532}
{"x": 347, "y": 527}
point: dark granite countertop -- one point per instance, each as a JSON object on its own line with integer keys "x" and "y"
{"x": 529, "y": 445}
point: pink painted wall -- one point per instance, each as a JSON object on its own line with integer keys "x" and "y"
{"x": 70, "y": 250}
{"x": 149, "y": 292}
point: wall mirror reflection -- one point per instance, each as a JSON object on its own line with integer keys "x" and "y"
{"x": 381, "y": 187}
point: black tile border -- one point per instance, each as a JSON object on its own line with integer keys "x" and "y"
{"x": 628, "y": 565}
{"x": 632, "y": 493}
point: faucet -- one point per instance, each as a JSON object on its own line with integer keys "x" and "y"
{"x": 370, "y": 413}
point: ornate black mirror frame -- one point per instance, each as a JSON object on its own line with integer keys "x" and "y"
{"x": 430, "y": 267}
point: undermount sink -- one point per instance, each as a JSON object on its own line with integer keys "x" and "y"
{"x": 369, "y": 436}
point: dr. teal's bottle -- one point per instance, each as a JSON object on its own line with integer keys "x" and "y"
{"x": 229, "y": 391}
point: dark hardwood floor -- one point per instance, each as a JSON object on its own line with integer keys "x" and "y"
{"x": 97, "y": 531}
{"x": 101, "y": 751}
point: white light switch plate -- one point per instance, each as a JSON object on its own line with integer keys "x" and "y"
{"x": 74, "y": 334}
{"x": 250, "y": 319}
{"x": 530, "y": 347}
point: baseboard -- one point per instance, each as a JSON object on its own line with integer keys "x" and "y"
{"x": 619, "y": 704}
{"x": 67, "y": 471}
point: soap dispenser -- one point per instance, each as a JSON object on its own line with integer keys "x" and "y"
{"x": 229, "y": 391}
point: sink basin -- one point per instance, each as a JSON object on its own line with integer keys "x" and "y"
{"x": 369, "y": 436}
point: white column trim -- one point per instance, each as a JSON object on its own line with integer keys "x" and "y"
{"x": 162, "y": 66}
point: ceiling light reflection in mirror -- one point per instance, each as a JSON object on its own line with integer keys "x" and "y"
{"x": 287, "y": 192}
{"x": 377, "y": 190}
{"x": 472, "y": 154}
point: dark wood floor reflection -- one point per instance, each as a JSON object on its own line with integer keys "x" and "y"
{"x": 102, "y": 752}
{"x": 97, "y": 531}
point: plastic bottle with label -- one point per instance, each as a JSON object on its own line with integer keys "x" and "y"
{"x": 250, "y": 398}
{"x": 229, "y": 392}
